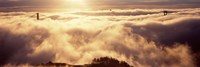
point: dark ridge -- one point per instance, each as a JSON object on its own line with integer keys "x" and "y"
{"x": 97, "y": 62}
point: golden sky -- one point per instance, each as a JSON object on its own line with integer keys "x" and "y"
{"x": 12, "y": 5}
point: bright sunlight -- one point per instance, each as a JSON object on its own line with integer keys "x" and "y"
{"x": 78, "y": 5}
{"x": 77, "y": 1}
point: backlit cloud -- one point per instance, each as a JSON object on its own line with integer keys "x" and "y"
{"x": 143, "y": 38}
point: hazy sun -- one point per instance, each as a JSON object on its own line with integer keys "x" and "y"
{"x": 78, "y": 4}
{"x": 77, "y": 1}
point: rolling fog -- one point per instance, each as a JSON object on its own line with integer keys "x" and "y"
{"x": 141, "y": 37}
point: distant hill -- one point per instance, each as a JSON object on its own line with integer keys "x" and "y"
{"x": 97, "y": 62}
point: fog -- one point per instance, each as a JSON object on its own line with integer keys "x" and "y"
{"x": 141, "y": 37}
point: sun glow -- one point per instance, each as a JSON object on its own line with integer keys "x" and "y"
{"x": 78, "y": 4}
{"x": 77, "y": 1}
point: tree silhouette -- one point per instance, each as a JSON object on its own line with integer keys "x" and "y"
{"x": 108, "y": 62}
{"x": 97, "y": 62}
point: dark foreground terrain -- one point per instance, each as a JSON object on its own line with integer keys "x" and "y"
{"x": 97, "y": 62}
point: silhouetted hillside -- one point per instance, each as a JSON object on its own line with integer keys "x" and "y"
{"x": 108, "y": 62}
{"x": 97, "y": 62}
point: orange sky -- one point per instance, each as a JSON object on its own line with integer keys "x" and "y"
{"x": 28, "y": 5}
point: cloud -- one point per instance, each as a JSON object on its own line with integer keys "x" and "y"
{"x": 14, "y": 46}
{"x": 145, "y": 40}
{"x": 118, "y": 13}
